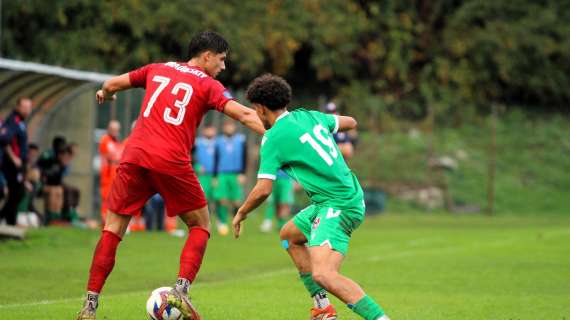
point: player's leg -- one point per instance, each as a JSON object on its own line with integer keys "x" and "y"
{"x": 198, "y": 223}
{"x": 184, "y": 197}
{"x": 269, "y": 214}
{"x": 223, "y": 209}
{"x": 235, "y": 194}
{"x": 104, "y": 189}
{"x": 103, "y": 261}
{"x": 15, "y": 192}
{"x": 128, "y": 194}
{"x": 294, "y": 238}
{"x": 221, "y": 194}
{"x": 206, "y": 183}
{"x": 325, "y": 264}
{"x": 329, "y": 239}
{"x": 283, "y": 214}
{"x": 284, "y": 201}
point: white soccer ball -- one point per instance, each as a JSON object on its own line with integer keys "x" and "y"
{"x": 157, "y": 307}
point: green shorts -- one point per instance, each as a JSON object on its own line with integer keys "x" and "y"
{"x": 283, "y": 191}
{"x": 206, "y": 183}
{"x": 228, "y": 187}
{"x": 323, "y": 225}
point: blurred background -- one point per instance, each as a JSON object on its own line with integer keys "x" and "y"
{"x": 463, "y": 107}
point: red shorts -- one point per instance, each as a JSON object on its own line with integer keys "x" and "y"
{"x": 134, "y": 185}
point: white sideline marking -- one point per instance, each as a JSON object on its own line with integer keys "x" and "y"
{"x": 133, "y": 293}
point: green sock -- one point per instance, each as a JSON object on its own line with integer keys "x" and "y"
{"x": 367, "y": 308}
{"x": 73, "y": 215}
{"x": 310, "y": 284}
{"x": 223, "y": 214}
{"x": 50, "y": 216}
{"x": 280, "y": 223}
{"x": 269, "y": 212}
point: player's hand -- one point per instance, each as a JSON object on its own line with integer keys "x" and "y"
{"x": 241, "y": 179}
{"x": 28, "y": 185}
{"x": 101, "y": 97}
{"x": 236, "y": 223}
{"x": 17, "y": 162}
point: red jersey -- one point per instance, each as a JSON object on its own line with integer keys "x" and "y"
{"x": 176, "y": 99}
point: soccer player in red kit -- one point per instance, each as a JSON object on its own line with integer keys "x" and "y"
{"x": 157, "y": 158}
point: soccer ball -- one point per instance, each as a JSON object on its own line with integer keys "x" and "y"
{"x": 157, "y": 307}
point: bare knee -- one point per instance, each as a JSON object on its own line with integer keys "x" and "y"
{"x": 197, "y": 218}
{"x": 284, "y": 233}
{"x": 288, "y": 232}
{"x": 117, "y": 223}
{"x": 292, "y": 235}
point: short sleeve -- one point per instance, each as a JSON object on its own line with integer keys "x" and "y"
{"x": 269, "y": 160}
{"x": 329, "y": 120}
{"x": 218, "y": 96}
{"x": 138, "y": 76}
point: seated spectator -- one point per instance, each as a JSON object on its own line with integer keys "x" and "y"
{"x": 71, "y": 194}
{"x": 27, "y": 213}
{"x": 53, "y": 166}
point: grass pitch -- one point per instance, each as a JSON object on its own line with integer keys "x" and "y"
{"x": 417, "y": 267}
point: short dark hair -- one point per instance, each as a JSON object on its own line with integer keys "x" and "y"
{"x": 207, "y": 41}
{"x": 269, "y": 90}
{"x": 58, "y": 143}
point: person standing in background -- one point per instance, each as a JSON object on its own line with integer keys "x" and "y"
{"x": 27, "y": 212}
{"x": 14, "y": 142}
{"x": 279, "y": 202}
{"x": 204, "y": 155}
{"x": 138, "y": 222}
{"x": 344, "y": 140}
{"x": 229, "y": 172}
{"x": 110, "y": 150}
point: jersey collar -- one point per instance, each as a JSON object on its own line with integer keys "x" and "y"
{"x": 282, "y": 115}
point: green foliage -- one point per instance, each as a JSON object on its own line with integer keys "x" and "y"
{"x": 532, "y": 167}
{"x": 399, "y": 56}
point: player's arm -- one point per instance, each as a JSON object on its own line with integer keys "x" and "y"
{"x": 244, "y": 115}
{"x": 111, "y": 86}
{"x": 260, "y": 192}
{"x": 17, "y": 161}
{"x": 346, "y": 123}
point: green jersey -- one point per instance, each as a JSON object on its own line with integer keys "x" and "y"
{"x": 301, "y": 143}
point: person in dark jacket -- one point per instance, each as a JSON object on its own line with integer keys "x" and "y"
{"x": 14, "y": 143}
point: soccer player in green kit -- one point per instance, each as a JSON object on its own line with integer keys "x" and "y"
{"x": 301, "y": 143}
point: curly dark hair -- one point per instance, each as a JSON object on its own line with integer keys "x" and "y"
{"x": 269, "y": 90}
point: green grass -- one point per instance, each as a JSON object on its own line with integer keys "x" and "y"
{"x": 418, "y": 267}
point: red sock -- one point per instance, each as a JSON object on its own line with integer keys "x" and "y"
{"x": 193, "y": 252}
{"x": 103, "y": 260}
